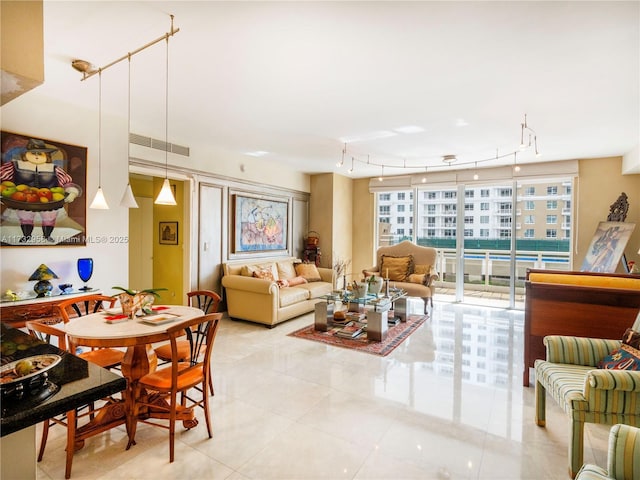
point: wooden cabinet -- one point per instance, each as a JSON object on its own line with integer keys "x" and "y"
{"x": 15, "y": 313}
{"x": 574, "y": 310}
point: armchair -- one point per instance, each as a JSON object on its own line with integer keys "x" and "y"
{"x": 584, "y": 392}
{"x": 623, "y": 459}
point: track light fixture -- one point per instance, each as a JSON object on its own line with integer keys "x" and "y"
{"x": 528, "y": 138}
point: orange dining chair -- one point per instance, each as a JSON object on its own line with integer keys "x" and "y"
{"x": 69, "y": 420}
{"x": 79, "y": 307}
{"x": 157, "y": 392}
{"x": 208, "y": 302}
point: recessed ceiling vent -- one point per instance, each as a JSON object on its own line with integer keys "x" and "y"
{"x": 158, "y": 144}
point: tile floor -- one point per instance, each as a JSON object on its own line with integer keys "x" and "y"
{"x": 448, "y": 403}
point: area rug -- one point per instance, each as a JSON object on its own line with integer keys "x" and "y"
{"x": 395, "y": 336}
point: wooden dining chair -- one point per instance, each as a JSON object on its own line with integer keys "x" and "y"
{"x": 88, "y": 304}
{"x": 69, "y": 420}
{"x": 158, "y": 391}
{"x": 207, "y": 301}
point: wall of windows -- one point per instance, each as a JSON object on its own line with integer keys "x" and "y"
{"x": 537, "y": 216}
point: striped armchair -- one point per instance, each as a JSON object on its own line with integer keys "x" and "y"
{"x": 623, "y": 458}
{"x": 585, "y": 393}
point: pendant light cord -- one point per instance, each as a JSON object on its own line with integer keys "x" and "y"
{"x": 166, "y": 114}
{"x": 100, "y": 129}
{"x": 129, "y": 120}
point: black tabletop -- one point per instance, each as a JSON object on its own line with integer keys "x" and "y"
{"x": 71, "y": 383}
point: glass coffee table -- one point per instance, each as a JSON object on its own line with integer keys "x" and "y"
{"x": 375, "y": 307}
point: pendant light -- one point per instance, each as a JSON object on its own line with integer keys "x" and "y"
{"x": 128, "y": 200}
{"x": 99, "y": 202}
{"x": 165, "y": 197}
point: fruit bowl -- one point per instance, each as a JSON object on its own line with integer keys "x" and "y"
{"x": 32, "y": 206}
{"x": 14, "y": 385}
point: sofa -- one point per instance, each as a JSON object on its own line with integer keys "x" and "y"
{"x": 581, "y": 304}
{"x": 408, "y": 266}
{"x": 272, "y": 290}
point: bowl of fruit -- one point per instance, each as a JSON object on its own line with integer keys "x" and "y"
{"x": 26, "y": 375}
{"x": 25, "y": 197}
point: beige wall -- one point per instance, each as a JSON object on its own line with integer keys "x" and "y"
{"x": 599, "y": 184}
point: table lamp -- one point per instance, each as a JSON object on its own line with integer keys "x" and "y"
{"x": 43, "y": 274}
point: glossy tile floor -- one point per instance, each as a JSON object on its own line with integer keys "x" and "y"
{"x": 448, "y": 403}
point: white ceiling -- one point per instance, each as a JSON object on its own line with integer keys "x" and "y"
{"x": 299, "y": 79}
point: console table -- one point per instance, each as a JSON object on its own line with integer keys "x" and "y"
{"x": 16, "y": 312}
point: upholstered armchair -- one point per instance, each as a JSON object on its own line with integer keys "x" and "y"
{"x": 623, "y": 458}
{"x": 585, "y": 393}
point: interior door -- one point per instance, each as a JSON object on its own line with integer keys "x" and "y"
{"x": 141, "y": 244}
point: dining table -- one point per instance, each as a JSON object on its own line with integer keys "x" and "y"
{"x": 112, "y": 329}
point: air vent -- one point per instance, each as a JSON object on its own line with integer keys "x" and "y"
{"x": 158, "y": 144}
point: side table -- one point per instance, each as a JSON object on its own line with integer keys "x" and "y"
{"x": 16, "y": 312}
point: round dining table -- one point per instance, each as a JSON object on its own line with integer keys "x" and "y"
{"x": 108, "y": 329}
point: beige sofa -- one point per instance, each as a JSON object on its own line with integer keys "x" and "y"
{"x": 263, "y": 300}
{"x": 408, "y": 266}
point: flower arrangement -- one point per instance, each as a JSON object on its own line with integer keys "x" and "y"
{"x": 133, "y": 300}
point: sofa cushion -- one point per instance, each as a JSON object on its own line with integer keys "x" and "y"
{"x": 292, "y": 295}
{"x": 286, "y": 270}
{"x": 317, "y": 289}
{"x": 308, "y": 271}
{"x": 396, "y": 269}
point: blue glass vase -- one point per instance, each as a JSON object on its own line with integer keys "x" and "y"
{"x": 85, "y": 270}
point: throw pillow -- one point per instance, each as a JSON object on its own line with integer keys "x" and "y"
{"x": 426, "y": 269}
{"x": 627, "y": 357}
{"x": 296, "y": 281}
{"x": 264, "y": 273}
{"x": 417, "y": 278}
{"x": 396, "y": 269}
{"x": 308, "y": 271}
{"x": 247, "y": 270}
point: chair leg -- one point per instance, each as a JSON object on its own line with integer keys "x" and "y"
{"x": 71, "y": 441}
{"x": 541, "y": 399}
{"x": 576, "y": 446}
{"x": 211, "y": 382}
{"x": 43, "y": 440}
{"x": 205, "y": 404}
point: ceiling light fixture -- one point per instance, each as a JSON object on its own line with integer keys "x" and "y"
{"x": 99, "y": 202}
{"x": 165, "y": 197}
{"x": 128, "y": 200}
{"x": 516, "y": 167}
{"x": 475, "y": 174}
{"x": 381, "y": 177}
{"x": 449, "y": 159}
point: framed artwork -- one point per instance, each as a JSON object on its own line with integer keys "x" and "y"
{"x": 168, "y": 234}
{"x": 42, "y": 192}
{"x": 607, "y": 247}
{"x": 259, "y": 224}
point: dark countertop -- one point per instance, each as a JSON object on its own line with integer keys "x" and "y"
{"x": 71, "y": 383}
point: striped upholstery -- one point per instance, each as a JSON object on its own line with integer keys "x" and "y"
{"x": 585, "y": 393}
{"x": 623, "y": 459}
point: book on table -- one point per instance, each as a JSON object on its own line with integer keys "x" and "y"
{"x": 350, "y": 330}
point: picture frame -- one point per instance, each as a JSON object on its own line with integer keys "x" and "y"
{"x": 607, "y": 247}
{"x": 62, "y": 220}
{"x": 168, "y": 233}
{"x": 260, "y": 224}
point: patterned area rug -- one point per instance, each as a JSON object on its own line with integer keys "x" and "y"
{"x": 395, "y": 336}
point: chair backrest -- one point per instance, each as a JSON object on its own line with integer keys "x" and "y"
{"x": 205, "y": 300}
{"x": 81, "y": 306}
{"x": 44, "y": 332}
{"x": 201, "y": 333}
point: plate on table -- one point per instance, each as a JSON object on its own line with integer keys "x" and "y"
{"x": 113, "y": 311}
{"x": 158, "y": 319}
